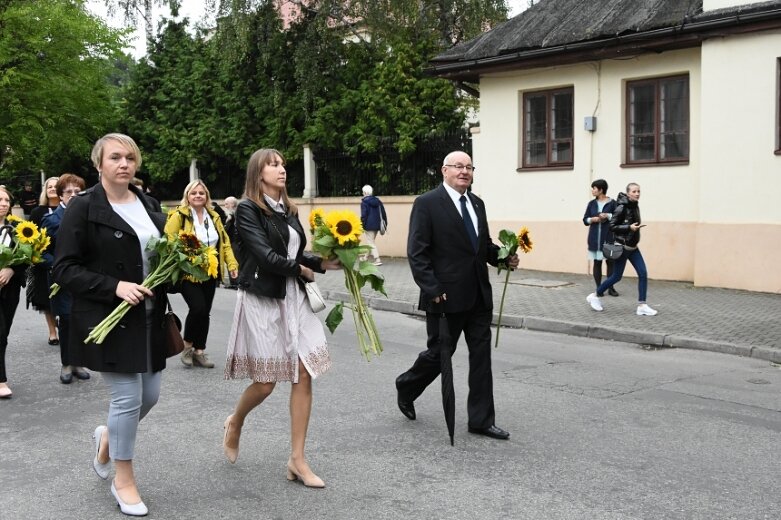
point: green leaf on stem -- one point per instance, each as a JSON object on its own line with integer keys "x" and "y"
{"x": 334, "y": 317}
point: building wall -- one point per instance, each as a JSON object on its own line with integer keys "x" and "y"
{"x": 550, "y": 202}
{"x": 739, "y": 239}
{"x": 690, "y": 209}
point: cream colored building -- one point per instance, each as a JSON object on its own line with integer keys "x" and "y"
{"x": 708, "y": 161}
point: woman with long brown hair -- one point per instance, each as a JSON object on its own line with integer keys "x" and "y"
{"x": 275, "y": 335}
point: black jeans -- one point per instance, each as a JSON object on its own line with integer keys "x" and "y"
{"x": 199, "y": 298}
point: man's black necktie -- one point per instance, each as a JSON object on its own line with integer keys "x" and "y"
{"x": 470, "y": 227}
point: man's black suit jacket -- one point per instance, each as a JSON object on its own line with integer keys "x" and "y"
{"x": 441, "y": 255}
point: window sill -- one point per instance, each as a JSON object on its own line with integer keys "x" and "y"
{"x": 777, "y": 152}
{"x": 652, "y": 164}
{"x": 544, "y": 168}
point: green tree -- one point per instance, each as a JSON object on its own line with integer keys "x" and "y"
{"x": 54, "y": 61}
{"x": 132, "y": 9}
{"x": 166, "y": 99}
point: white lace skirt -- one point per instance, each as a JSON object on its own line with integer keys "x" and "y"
{"x": 269, "y": 336}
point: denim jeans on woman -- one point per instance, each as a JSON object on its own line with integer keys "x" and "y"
{"x": 636, "y": 259}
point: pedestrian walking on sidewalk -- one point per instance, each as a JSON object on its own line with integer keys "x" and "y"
{"x": 597, "y": 218}
{"x": 374, "y": 220}
{"x": 448, "y": 248}
{"x": 275, "y": 335}
{"x": 625, "y": 225}
{"x": 101, "y": 259}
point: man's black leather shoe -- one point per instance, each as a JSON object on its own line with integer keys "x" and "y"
{"x": 492, "y": 431}
{"x": 407, "y": 408}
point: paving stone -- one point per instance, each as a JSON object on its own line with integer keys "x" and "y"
{"x": 720, "y": 320}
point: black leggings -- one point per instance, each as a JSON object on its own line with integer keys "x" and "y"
{"x": 598, "y": 271}
{"x": 9, "y": 300}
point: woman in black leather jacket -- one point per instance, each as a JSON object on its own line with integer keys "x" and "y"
{"x": 275, "y": 335}
{"x": 625, "y": 225}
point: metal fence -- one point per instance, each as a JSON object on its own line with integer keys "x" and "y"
{"x": 389, "y": 173}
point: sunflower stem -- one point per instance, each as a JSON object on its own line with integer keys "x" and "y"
{"x": 501, "y": 308}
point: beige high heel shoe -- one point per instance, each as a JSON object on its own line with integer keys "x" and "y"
{"x": 314, "y": 482}
{"x": 230, "y": 453}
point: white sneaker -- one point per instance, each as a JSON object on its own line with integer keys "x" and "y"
{"x": 593, "y": 299}
{"x": 645, "y": 310}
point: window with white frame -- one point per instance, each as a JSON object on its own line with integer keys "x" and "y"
{"x": 657, "y": 113}
{"x": 547, "y": 128}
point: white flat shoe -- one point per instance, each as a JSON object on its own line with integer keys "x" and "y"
{"x": 129, "y": 509}
{"x": 102, "y": 470}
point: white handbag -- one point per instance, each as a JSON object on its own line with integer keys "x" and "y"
{"x": 315, "y": 297}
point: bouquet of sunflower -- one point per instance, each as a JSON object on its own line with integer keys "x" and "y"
{"x": 29, "y": 243}
{"x": 337, "y": 234}
{"x": 182, "y": 256}
{"x": 510, "y": 245}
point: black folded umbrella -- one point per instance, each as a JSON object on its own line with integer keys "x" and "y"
{"x": 446, "y": 375}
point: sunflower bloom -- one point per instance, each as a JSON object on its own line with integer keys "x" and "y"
{"x": 27, "y": 232}
{"x": 190, "y": 243}
{"x": 524, "y": 240}
{"x": 213, "y": 262}
{"x": 345, "y": 226}
{"x": 316, "y": 215}
{"x": 510, "y": 243}
{"x": 176, "y": 258}
{"x": 337, "y": 234}
{"x": 43, "y": 242}
{"x": 29, "y": 246}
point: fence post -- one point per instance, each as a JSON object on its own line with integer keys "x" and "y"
{"x": 194, "y": 173}
{"x": 310, "y": 174}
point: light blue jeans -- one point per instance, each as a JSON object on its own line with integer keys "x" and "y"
{"x": 636, "y": 259}
{"x": 132, "y": 396}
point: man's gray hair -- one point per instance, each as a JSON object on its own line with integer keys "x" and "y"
{"x": 367, "y": 190}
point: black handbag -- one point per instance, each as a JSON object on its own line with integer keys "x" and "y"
{"x": 612, "y": 251}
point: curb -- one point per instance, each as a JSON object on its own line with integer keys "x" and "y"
{"x": 537, "y": 324}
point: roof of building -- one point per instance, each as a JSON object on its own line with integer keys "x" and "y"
{"x": 564, "y": 26}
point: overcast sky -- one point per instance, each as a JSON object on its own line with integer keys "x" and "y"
{"x": 194, "y": 10}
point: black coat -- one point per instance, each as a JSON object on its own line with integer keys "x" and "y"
{"x": 625, "y": 214}
{"x": 598, "y": 232}
{"x": 442, "y": 258}
{"x": 96, "y": 249}
{"x": 262, "y": 250}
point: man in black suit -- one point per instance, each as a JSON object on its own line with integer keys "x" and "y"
{"x": 447, "y": 253}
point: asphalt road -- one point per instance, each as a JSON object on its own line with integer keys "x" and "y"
{"x": 600, "y": 430}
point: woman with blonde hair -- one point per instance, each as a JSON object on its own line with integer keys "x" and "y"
{"x": 275, "y": 335}
{"x": 101, "y": 258}
{"x": 195, "y": 215}
{"x": 38, "y": 275}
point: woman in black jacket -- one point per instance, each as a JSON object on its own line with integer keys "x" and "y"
{"x": 625, "y": 225}
{"x": 11, "y": 279}
{"x": 101, "y": 259}
{"x": 275, "y": 335}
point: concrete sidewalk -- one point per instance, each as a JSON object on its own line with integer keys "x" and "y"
{"x": 718, "y": 320}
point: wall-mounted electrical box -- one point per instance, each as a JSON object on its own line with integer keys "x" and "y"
{"x": 590, "y": 124}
